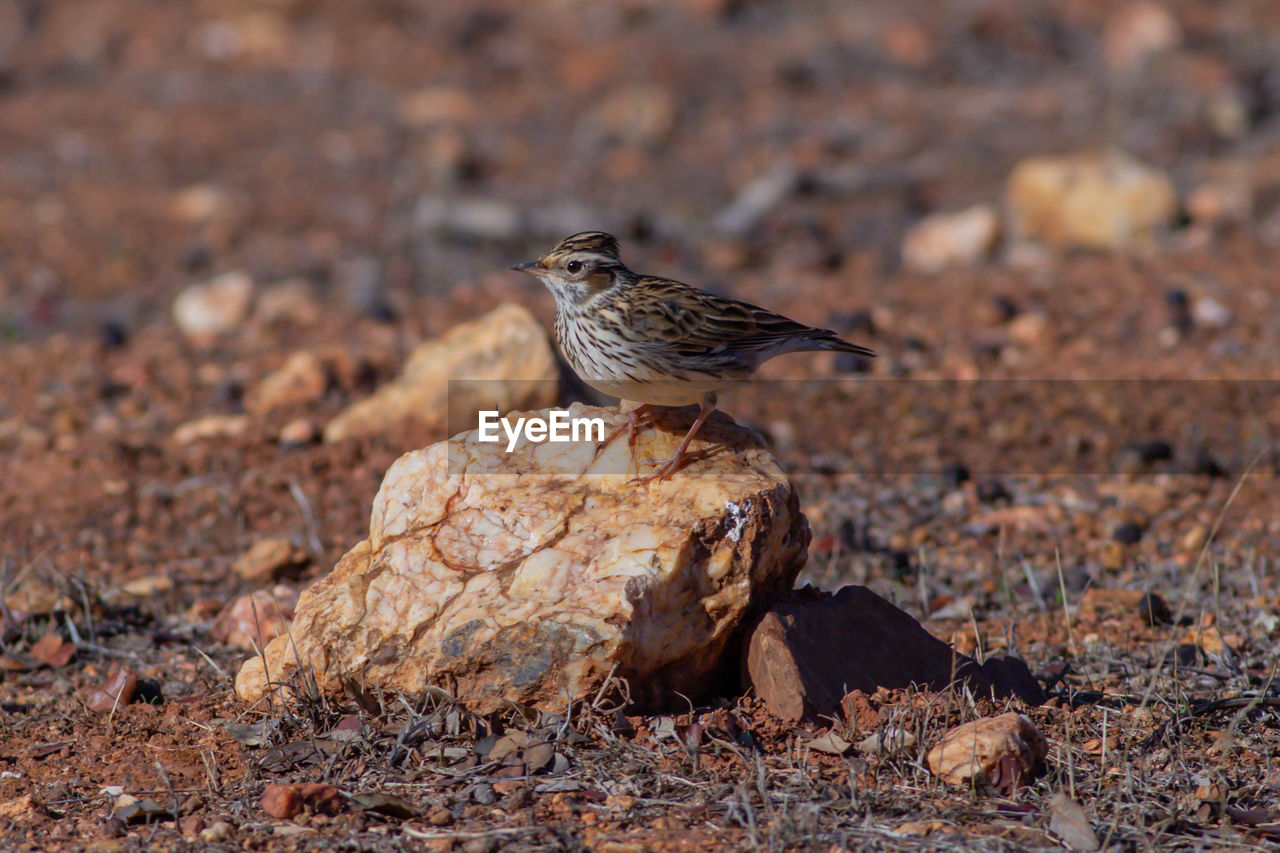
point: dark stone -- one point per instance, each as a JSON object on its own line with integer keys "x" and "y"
{"x": 1154, "y": 610}
{"x": 1005, "y": 308}
{"x": 109, "y": 389}
{"x": 1010, "y": 676}
{"x": 381, "y": 311}
{"x": 855, "y": 323}
{"x": 804, "y": 656}
{"x": 991, "y": 490}
{"x": 195, "y": 258}
{"x": 1127, "y": 533}
{"x": 1204, "y": 465}
{"x": 150, "y": 691}
{"x": 1183, "y": 654}
{"x": 1149, "y": 452}
{"x": 955, "y": 474}
{"x": 1179, "y": 310}
{"x": 855, "y": 536}
{"x": 112, "y": 335}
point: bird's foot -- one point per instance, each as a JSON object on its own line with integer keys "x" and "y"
{"x": 641, "y": 416}
{"x": 674, "y": 463}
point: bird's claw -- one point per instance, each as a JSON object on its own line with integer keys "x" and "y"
{"x": 674, "y": 463}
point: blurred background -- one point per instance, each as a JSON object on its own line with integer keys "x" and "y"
{"x": 391, "y": 151}
{"x": 223, "y": 222}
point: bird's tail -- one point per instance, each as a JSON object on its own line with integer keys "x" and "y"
{"x": 826, "y": 339}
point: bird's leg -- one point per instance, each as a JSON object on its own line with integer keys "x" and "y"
{"x": 682, "y": 456}
{"x": 636, "y": 418}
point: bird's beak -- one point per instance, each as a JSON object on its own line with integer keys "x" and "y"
{"x": 528, "y": 266}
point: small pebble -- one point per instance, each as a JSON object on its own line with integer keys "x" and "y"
{"x": 1210, "y": 313}
{"x": 191, "y": 826}
{"x": 1127, "y": 533}
{"x": 955, "y": 474}
{"x": 219, "y": 830}
{"x": 299, "y": 433}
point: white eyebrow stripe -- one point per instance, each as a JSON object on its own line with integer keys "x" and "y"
{"x": 588, "y": 256}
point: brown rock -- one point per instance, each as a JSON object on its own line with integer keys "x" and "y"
{"x": 252, "y": 621}
{"x": 19, "y": 808}
{"x": 210, "y": 427}
{"x": 200, "y": 203}
{"x": 203, "y": 610}
{"x": 508, "y": 786}
{"x": 1114, "y": 556}
{"x": 507, "y": 348}
{"x": 910, "y": 44}
{"x": 147, "y": 586}
{"x": 191, "y": 826}
{"x": 1032, "y": 330}
{"x": 287, "y": 801}
{"x": 282, "y": 801}
{"x": 1209, "y": 640}
{"x": 801, "y": 663}
{"x": 52, "y": 650}
{"x": 534, "y": 587}
{"x": 1134, "y": 32}
{"x": 204, "y": 311}
{"x": 299, "y": 432}
{"x": 118, "y": 690}
{"x": 219, "y": 830}
{"x": 290, "y": 302}
{"x": 1001, "y": 751}
{"x": 1089, "y": 201}
{"x": 301, "y": 379}
{"x": 269, "y": 558}
{"x": 859, "y": 712}
{"x": 34, "y": 597}
{"x": 1221, "y": 202}
{"x": 944, "y": 240}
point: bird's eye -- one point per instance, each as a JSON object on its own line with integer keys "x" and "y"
{"x": 573, "y": 267}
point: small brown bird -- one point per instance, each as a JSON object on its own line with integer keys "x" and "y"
{"x": 656, "y": 341}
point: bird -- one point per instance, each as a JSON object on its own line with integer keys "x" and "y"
{"x": 660, "y": 342}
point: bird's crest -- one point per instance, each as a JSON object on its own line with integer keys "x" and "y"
{"x": 587, "y": 242}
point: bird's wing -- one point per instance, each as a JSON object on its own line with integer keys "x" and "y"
{"x": 694, "y": 322}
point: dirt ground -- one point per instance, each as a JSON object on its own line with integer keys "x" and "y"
{"x": 377, "y": 166}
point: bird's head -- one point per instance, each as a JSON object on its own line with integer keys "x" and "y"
{"x": 579, "y": 267}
